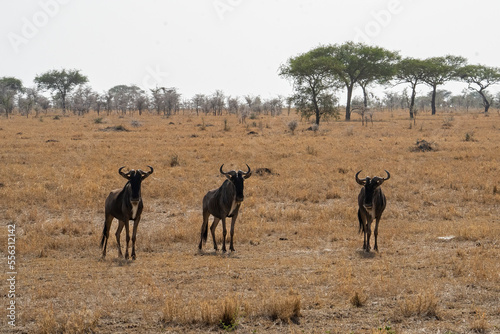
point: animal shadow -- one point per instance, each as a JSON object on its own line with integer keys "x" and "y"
{"x": 218, "y": 253}
{"x": 366, "y": 255}
{"x": 121, "y": 262}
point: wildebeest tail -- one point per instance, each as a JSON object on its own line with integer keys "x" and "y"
{"x": 104, "y": 232}
{"x": 361, "y": 226}
{"x": 204, "y": 232}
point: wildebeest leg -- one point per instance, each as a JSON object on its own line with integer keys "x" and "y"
{"x": 233, "y": 220}
{"x": 127, "y": 239}
{"x": 134, "y": 235}
{"x": 204, "y": 228}
{"x": 117, "y": 234}
{"x": 375, "y": 233}
{"x": 105, "y": 234}
{"x": 362, "y": 227}
{"x": 364, "y": 236}
{"x": 224, "y": 233}
{"x": 368, "y": 232}
{"x": 212, "y": 230}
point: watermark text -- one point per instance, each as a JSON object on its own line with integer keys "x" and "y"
{"x": 30, "y": 27}
{"x": 11, "y": 274}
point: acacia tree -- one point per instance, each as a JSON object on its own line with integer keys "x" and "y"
{"x": 439, "y": 70}
{"x": 9, "y": 88}
{"x": 411, "y": 71}
{"x": 311, "y": 74}
{"x": 481, "y": 76}
{"x": 358, "y": 63}
{"x": 62, "y": 82}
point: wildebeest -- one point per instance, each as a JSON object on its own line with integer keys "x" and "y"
{"x": 124, "y": 204}
{"x": 371, "y": 201}
{"x": 221, "y": 203}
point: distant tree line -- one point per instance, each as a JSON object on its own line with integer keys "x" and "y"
{"x": 317, "y": 76}
{"x": 320, "y": 73}
{"x": 70, "y": 92}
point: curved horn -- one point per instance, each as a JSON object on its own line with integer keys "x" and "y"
{"x": 361, "y": 182}
{"x": 248, "y": 173}
{"x": 388, "y": 175}
{"x": 221, "y": 171}
{"x": 122, "y": 173}
{"x": 146, "y": 174}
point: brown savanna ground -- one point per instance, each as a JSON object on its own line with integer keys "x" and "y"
{"x": 298, "y": 265}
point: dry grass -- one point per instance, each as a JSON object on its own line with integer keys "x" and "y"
{"x": 421, "y": 305}
{"x": 298, "y": 265}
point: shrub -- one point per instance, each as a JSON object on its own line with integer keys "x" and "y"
{"x": 469, "y": 136}
{"x": 135, "y": 124}
{"x": 358, "y": 300}
{"x": 448, "y": 122}
{"x": 311, "y": 150}
{"x": 284, "y": 308}
{"x": 423, "y": 305}
{"x": 480, "y": 323}
{"x": 226, "y": 126}
{"x": 292, "y": 125}
{"x": 229, "y": 316}
{"x": 174, "y": 160}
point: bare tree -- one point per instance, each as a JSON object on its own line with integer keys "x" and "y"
{"x": 99, "y": 102}
{"x": 108, "y": 102}
{"x": 157, "y": 98}
{"x": 171, "y": 101}
{"x": 82, "y": 100}
{"x": 141, "y": 102}
{"x": 217, "y": 102}
{"x": 254, "y": 103}
{"x": 9, "y": 88}
{"x": 233, "y": 105}
{"x": 275, "y": 106}
{"x": 27, "y": 101}
{"x": 198, "y": 101}
{"x": 186, "y": 104}
{"x": 43, "y": 103}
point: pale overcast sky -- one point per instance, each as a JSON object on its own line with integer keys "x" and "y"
{"x": 237, "y": 46}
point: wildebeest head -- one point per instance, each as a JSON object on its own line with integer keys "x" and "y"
{"x": 370, "y": 185}
{"x": 237, "y": 179}
{"x": 135, "y": 177}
